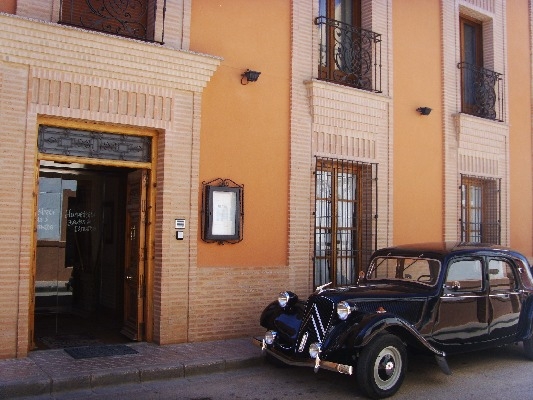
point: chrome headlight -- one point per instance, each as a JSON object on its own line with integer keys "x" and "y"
{"x": 286, "y": 299}
{"x": 314, "y": 350}
{"x": 344, "y": 309}
{"x": 270, "y": 336}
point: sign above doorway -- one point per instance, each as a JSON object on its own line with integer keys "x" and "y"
{"x": 94, "y": 144}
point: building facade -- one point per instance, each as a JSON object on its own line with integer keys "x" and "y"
{"x": 150, "y": 183}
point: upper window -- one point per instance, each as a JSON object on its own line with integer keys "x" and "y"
{"x": 123, "y": 18}
{"x": 480, "y": 210}
{"x": 472, "y": 42}
{"x": 346, "y": 11}
{"x": 349, "y": 54}
{"x": 482, "y": 91}
{"x": 472, "y": 57}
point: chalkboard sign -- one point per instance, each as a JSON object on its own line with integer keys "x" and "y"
{"x": 79, "y": 221}
{"x": 49, "y": 209}
{"x": 49, "y": 216}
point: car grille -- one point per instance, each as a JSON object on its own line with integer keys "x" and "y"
{"x": 317, "y": 319}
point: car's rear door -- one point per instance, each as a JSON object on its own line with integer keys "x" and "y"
{"x": 462, "y": 311}
{"x": 504, "y": 298}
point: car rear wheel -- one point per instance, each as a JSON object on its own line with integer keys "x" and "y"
{"x": 528, "y": 348}
{"x": 381, "y": 366}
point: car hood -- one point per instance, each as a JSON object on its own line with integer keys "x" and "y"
{"x": 382, "y": 290}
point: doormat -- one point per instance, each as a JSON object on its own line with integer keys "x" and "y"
{"x": 100, "y": 351}
{"x": 62, "y": 341}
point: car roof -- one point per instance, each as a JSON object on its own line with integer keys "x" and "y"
{"x": 440, "y": 250}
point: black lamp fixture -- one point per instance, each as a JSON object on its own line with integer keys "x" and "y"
{"x": 249, "y": 76}
{"x": 424, "y": 110}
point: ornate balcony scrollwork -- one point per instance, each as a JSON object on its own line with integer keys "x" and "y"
{"x": 129, "y": 18}
{"x": 482, "y": 92}
{"x": 349, "y": 55}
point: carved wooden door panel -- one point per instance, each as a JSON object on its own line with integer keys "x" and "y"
{"x": 134, "y": 274}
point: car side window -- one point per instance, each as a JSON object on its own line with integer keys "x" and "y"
{"x": 501, "y": 275}
{"x": 465, "y": 275}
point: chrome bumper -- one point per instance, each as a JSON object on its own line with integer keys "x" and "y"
{"x": 316, "y": 363}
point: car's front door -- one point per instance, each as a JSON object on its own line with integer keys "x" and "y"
{"x": 504, "y": 299}
{"x": 462, "y": 311}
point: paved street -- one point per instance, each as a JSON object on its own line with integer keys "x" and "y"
{"x": 496, "y": 374}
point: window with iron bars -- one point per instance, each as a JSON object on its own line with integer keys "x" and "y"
{"x": 480, "y": 210}
{"x": 349, "y": 55}
{"x": 131, "y": 18}
{"x": 345, "y": 219}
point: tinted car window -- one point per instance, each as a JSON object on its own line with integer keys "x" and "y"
{"x": 421, "y": 270}
{"x": 501, "y": 275}
{"x": 465, "y": 275}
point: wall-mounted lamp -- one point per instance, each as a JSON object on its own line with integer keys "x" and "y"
{"x": 424, "y": 110}
{"x": 249, "y": 76}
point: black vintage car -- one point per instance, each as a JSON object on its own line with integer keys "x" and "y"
{"x": 432, "y": 298}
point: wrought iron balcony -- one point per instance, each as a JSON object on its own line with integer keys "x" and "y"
{"x": 349, "y": 55}
{"x": 482, "y": 92}
{"x": 128, "y": 18}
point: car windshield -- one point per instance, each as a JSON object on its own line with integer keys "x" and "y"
{"x": 422, "y": 270}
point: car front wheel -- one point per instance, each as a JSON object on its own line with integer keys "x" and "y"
{"x": 381, "y": 366}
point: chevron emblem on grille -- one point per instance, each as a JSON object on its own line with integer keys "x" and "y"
{"x": 303, "y": 342}
{"x": 318, "y": 325}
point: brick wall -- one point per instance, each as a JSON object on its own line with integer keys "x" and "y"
{"x": 13, "y": 203}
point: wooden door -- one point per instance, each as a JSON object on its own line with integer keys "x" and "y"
{"x": 134, "y": 274}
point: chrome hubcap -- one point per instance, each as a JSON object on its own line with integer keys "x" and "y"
{"x": 387, "y": 368}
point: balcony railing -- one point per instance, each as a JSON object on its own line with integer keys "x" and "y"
{"x": 128, "y": 18}
{"x": 349, "y": 55}
{"x": 482, "y": 92}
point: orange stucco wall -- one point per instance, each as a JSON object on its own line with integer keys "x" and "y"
{"x": 418, "y": 152}
{"x": 245, "y": 128}
{"x": 8, "y": 6}
{"x": 520, "y": 145}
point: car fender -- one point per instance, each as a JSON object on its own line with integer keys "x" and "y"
{"x": 366, "y": 326}
{"x": 274, "y": 310}
{"x": 360, "y": 330}
{"x": 269, "y": 314}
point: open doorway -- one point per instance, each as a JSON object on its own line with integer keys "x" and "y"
{"x": 84, "y": 253}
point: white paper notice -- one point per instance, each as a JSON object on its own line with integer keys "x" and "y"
{"x": 224, "y": 204}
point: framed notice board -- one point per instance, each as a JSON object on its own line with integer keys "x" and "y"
{"x": 222, "y": 211}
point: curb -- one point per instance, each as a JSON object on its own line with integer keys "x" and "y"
{"x": 134, "y": 375}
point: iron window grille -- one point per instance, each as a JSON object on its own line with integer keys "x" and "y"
{"x": 128, "y": 18}
{"x": 345, "y": 232}
{"x": 480, "y": 210}
{"x": 482, "y": 92}
{"x": 349, "y": 55}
